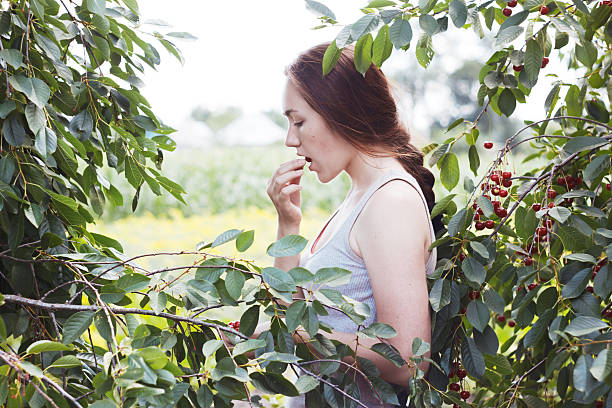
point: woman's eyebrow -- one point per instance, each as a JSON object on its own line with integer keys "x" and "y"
{"x": 289, "y": 111}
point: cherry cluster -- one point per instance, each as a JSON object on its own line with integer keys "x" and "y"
{"x": 234, "y": 325}
{"x": 497, "y": 181}
{"x": 507, "y": 11}
{"x": 459, "y": 374}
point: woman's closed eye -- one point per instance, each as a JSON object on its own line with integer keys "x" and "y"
{"x": 298, "y": 124}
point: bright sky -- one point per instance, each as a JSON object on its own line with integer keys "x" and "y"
{"x": 241, "y": 52}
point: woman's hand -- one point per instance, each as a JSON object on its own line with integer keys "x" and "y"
{"x": 284, "y": 191}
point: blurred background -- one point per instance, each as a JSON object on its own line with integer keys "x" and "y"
{"x": 224, "y": 100}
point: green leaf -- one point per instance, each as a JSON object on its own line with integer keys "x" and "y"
{"x": 132, "y": 282}
{"x": 96, "y": 6}
{"x": 378, "y": 329}
{"x": 581, "y": 143}
{"x": 441, "y": 205}
{"x": 363, "y": 53}
{"x": 560, "y": 214}
{"x": 81, "y": 125}
{"x": 582, "y": 325}
{"x": 533, "y": 60}
{"x": 47, "y": 345}
{"x": 474, "y": 159}
{"x": 602, "y": 366}
{"x": 294, "y": 314}
{"x": 226, "y": 236}
{"x": 13, "y": 131}
{"x": 211, "y": 346}
{"x": 508, "y": 34}
{"x": 319, "y": 9}
{"x": 380, "y": 3}
{"x": 46, "y": 142}
{"x": 364, "y": 25}
{"x": 66, "y": 362}
{"x": 204, "y": 396}
{"x": 301, "y": 276}
{"x": 332, "y": 276}
{"x": 247, "y": 346}
{"x": 249, "y": 320}
{"x": 158, "y": 301}
{"x": 595, "y": 167}
{"x": 382, "y": 47}
{"x": 132, "y": 5}
{"x": 306, "y": 383}
{"x": 486, "y": 341}
{"x": 440, "y": 294}
{"x": 310, "y": 321}
{"x": 478, "y": 314}
{"x": 576, "y": 284}
{"x": 278, "y": 279}
{"x": 457, "y": 222}
{"x": 389, "y": 352}
{"x": 494, "y": 301}
{"x": 458, "y": 12}
{"x": 506, "y": 102}
{"x": 428, "y": 24}
{"x": 245, "y": 240}
{"x": 287, "y": 246}
{"x": 424, "y": 50}
{"x": 472, "y": 358}
{"x": 485, "y": 205}
{"x": 234, "y": 282}
{"x": 330, "y": 58}
{"x": 12, "y": 57}
{"x": 35, "y": 89}
{"x": 514, "y": 20}
{"x": 400, "y": 33}
{"x": 473, "y": 270}
{"x": 419, "y": 347}
{"x": 75, "y": 325}
{"x": 449, "y": 170}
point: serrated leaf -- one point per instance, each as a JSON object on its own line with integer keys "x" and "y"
{"x": 473, "y": 270}
{"x": 400, "y": 33}
{"x": 582, "y": 325}
{"x": 458, "y": 12}
{"x": 363, "y": 54}
{"x": 472, "y": 358}
{"x": 287, "y": 246}
{"x": 46, "y": 142}
{"x": 332, "y": 276}
{"x": 294, "y": 314}
{"x": 245, "y": 240}
{"x": 47, "y": 345}
{"x": 581, "y": 143}
{"x": 441, "y": 205}
{"x": 382, "y": 47}
{"x": 226, "y": 236}
{"x": 66, "y": 362}
{"x": 158, "y": 301}
{"x": 75, "y": 325}
{"x": 456, "y": 222}
{"x": 533, "y": 60}
{"x": 364, "y": 25}
{"x": 211, "y": 346}
{"x": 319, "y": 9}
{"x": 485, "y": 205}
{"x": 602, "y": 366}
{"x": 330, "y": 58}
{"x": 234, "y": 282}
{"x": 247, "y": 346}
{"x": 389, "y": 352}
{"x": 97, "y": 6}
{"x": 440, "y": 294}
{"x": 278, "y": 279}
{"x": 486, "y": 341}
{"x": 478, "y": 315}
{"x": 449, "y": 170}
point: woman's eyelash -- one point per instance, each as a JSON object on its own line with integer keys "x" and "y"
{"x": 298, "y": 124}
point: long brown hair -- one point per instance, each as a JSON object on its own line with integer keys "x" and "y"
{"x": 360, "y": 109}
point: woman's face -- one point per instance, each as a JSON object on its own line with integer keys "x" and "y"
{"x": 327, "y": 153}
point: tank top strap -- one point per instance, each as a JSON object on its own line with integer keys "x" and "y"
{"x": 392, "y": 175}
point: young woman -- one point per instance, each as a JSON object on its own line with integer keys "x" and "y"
{"x": 382, "y": 231}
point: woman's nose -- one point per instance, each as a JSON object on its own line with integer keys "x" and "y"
{"x": 291, "y": 140}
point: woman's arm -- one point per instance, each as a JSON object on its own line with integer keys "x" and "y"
{"x": 392, "y": 236}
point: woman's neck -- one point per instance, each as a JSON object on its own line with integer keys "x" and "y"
{"x": 365, "y": 170}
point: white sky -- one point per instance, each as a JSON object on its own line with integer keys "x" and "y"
{"x": 241, "y": 52}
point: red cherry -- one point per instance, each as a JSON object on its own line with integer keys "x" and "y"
{"x": 496, "y": 203}
{"x": 599, "y": 404}
{"x": 490, "y": 224}
{"x": 551, "y": 205}
{"x": 542, "y": 231}
{"x": 504, "y": 212}
{"x": 608, "y": 186}
{"x": 480, "y": 225}
{"x": 511, "y": 323}
{"x": 544, "y": 62}
{"x": 506, "y": 175}
{"x": 480, "y": 211}
{"x": 465, "y": 394}
{"x": 495, "y": 178}
{"x": 488, "y": 145}
{"x": 501, "y": 318}
{"x": 561, "y": 181}
{"x": 476, "y": 217}
{"x": 608, "y": 314}
{"x": 461, "y": 256}
{"x": 578, "y": 181}
{"x": 462, "y": 311}
{"x": 474, "y": 294}
{"x": 589, "y": 289}
{"x": 551, "y": 193}
{"x": 503, "y": 193}
{"x": 532, "y": 286}
{"x": 536, "y": 207}
{"x": 454, "y": 387}
{"x": 507, "y": 183}
{"x": 544, "y": 10}
{"x": 517, "y": 68}
{"x": 603, "y": 261}
{"x": 512, "y": 3}
{"x": 455, "y": 406}
{"x": 461, "y": 373}
{"x": 495, "y": 191}
{"x": 452, "y": 373}
{"x": 528, "y": 261}
{"x": 499, "y": 212}
{"x": 507, "y": 12}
